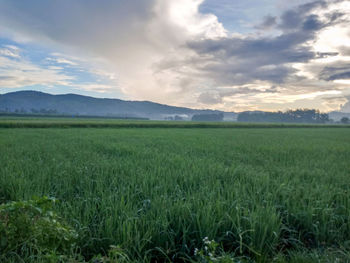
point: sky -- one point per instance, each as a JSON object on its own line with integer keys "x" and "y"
{"x": 229, "y": 55}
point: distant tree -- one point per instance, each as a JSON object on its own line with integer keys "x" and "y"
{"x": 324, "y": 117}
{"x": 51, "y": 111}
{"x": 178, "y": 118}
{"x": 208, "y": 117}
{"x": 345, "y": 120}
{"x": 48, "y": 111}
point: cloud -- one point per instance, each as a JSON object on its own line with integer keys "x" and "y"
{"x": 17, "y": 71}
{"x": 268, "y": 22}
{"x": 131, "y": 35}
{"x": 101, "y": 88}
{"x": 300, "y": 17}
{"x": 20, "y": 73}
{"x": 346, "y": 106}
{"x": 335, "y": 71}
{"x": 253, "y": 57}
{"x": 62, "y": 61}
{"x": 342, "y": 75}
{"x": 9, "y": 51}
{"x": 334, "y": 102}
{"x": 170, "y": 52}
{"x": 210, "y": 97}
{"x": 288, "y": 59}
{"x": 218, "y": 96}
{"x": 238, "y": 61}
{"x": 345, "y": 50}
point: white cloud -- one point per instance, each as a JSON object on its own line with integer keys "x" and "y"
{"x": 62, "y": 61}
{"x": 20, "y": 73}
{"x": 9, "y": 51}
{"x": 101, "y": 88}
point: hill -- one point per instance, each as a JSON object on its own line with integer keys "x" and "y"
{"x": 73, "y": 104}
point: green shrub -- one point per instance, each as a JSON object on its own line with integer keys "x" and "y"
{"x": 31, "y": 231}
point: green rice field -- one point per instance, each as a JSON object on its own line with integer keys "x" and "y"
{"x": 157, "y": 194}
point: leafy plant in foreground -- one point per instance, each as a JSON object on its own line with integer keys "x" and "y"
{"x": 31, "y": 230}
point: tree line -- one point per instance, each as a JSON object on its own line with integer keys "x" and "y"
{"x": 290, "y": 116}
{"x": 32, "y": 111}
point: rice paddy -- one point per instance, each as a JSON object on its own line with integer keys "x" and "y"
{"x": 261, "y": 195}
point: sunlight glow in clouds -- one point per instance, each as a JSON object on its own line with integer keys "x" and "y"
{"x": 185, "y": 14}
{"x": 170, "y": 52}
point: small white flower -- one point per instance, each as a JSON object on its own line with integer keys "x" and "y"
{"x": 206, "y": 240}
{"x": 196, "y": 251}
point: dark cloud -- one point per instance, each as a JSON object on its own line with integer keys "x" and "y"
{"x": 341, "y": 71}
{"x": 238, "y": 61}
{"x": 313, "y": 23}
{"x": 268, "y": 22}
{"x": 290, "y": 20}
{"x": 102, "y": 27}
{"x": 335, "y": 16}
{"x": 302, "y": 17}
{"x": 308, "y": 7}
{"x": 343, "y": 75}
{"x": 326, "y": 54}
{"x": 285, "y": 45}
{"x": 74, "y": 22}
{"x": 294, "y": 19}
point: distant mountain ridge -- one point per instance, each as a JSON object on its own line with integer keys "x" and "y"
{"x": 73, "y": 104}
{"x": 29, "y": 102}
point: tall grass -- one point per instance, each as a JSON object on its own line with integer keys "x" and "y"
{"x": 262, "y": 194}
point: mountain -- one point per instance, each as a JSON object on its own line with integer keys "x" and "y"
{"x": 72, "y": 104}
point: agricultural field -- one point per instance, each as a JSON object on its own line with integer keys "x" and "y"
{"x": 168, "y": 194}
{"x": 53, "y": 122}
